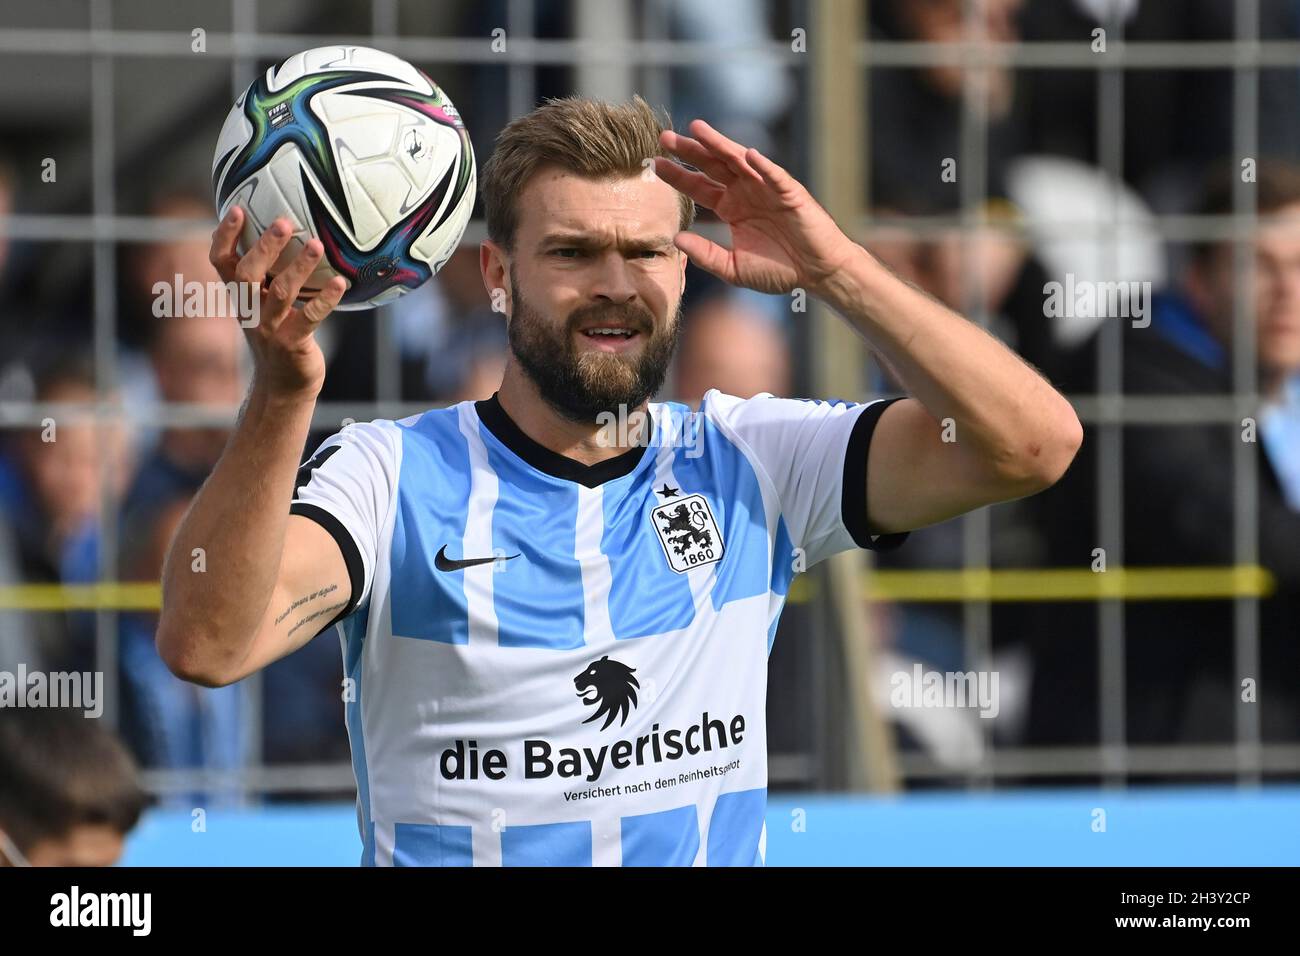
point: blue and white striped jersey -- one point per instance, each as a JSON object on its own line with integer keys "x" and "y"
{"x": 550, "y": 663}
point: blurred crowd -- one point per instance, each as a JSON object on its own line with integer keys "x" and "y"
{"x": 1045, "y": 176}
{"x": 1045, "y": 201}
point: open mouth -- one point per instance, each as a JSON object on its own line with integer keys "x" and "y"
{"x": 610, "y": 332}
{"x": 610, "y": 338}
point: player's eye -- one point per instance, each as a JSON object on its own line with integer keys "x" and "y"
{"x": 567, "y": 253}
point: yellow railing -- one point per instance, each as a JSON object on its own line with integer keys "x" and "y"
{"x": 1031, "y": 584}
{"x": 1059, "y": 584}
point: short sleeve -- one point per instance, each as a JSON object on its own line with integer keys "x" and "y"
{"x": 815, "y": 454}
{"x": 347, "y": 487}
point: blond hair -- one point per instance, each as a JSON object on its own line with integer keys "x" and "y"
{"x": 591, "y": 138}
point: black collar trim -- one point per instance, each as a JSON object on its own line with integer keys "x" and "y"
{"x": 501, "y": 425}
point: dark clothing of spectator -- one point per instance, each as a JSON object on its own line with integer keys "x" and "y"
{"x": 1182, "y": 681}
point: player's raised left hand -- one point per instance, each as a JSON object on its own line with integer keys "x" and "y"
{"x": 781, "y": 238}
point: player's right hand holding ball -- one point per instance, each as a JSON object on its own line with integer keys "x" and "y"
{"x": 288, "y": 363}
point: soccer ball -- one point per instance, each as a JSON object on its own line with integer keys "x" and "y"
{"x": 359, "y": 149}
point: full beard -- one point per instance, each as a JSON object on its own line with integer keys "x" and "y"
{"x": 583, "y": 385}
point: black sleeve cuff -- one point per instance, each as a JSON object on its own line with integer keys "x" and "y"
{"x": 351, "y": 553}
{"x": 853, "y": 496}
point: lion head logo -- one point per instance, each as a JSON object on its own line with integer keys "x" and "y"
{"x": 609, "y": 684}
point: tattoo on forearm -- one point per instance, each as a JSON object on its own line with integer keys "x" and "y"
{"x": 303, "y": 600}
{"x": 321, "y": 613}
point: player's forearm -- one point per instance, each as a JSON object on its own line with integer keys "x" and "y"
{"x": 1005, "y": 414}
{"x": 222, "y": 566}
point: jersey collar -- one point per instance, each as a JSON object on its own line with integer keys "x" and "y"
{"x": 494, "y": 417}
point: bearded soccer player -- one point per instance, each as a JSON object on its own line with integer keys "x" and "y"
{"x": 556, "y": 632}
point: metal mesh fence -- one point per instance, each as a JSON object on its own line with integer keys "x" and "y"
{"x": 616, "y": 48}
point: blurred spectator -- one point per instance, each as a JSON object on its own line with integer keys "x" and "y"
{"x": 71, "y": 792}
{"x": 1179, "y": 491}
{"x": 985, "y": 271}
{"x": 916, "y": 138}
{"x": 989, "y": 271}
{"x": 194, "y": 360}
{"x": 142, "y": 267}
{"x": 19, "y": 643}
{"x": 200, "y": 361}
{"x": 1065, "y": 205}
{"x": 1175, "y": 122}
{"x": 745, "y": 96}
{"x": 50, "y": 481}
{"x": 6, "y": 209}
{"x": 730, "y": 346}
{"x": 465, "y": 357}
{"x": 161, "y": 260}
{"x": 916, "y": 114}
{"x": 450, "y": 344}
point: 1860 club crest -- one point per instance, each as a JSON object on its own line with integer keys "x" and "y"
{"x": 688, "y": 533}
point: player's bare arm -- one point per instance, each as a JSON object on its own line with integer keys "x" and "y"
{"x": 269, "y": 581}
{"x": 1012, "y": 434}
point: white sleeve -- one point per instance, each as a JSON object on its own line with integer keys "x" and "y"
{"x": 814, "y": 453}
{"x": 347, "y": 487}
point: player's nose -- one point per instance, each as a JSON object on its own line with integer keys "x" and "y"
{"x": 613, "y": 280}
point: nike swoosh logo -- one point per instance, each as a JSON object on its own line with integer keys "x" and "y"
{"x": 444, "y": 563}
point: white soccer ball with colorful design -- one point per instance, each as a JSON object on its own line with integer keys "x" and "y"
{"x": 359, "y": 149}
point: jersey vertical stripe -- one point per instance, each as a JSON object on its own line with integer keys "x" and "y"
{"x": 554, "y": 665}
